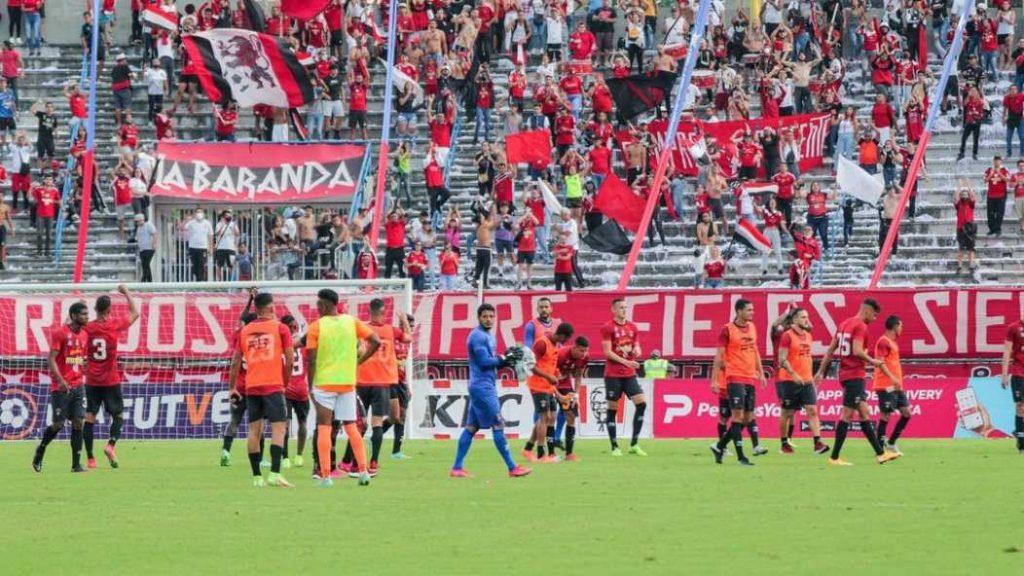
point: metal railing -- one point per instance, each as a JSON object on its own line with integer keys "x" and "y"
{"x": 66, "y": 193}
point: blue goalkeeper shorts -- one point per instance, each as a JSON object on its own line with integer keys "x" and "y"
{"x": 484, "y": 408}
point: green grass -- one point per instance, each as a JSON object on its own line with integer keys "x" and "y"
{"x": 947, "y": 507}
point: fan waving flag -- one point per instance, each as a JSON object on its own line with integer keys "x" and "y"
{"x": 609, "y": 238}
{"x": 303, "y": 9}
{"x": 249, "y": 68}
{"x": 617, "y": 200}
{"x": 747, "y": 234}
{"x": 758, "y": 188}
{"x": 157, "y": 17}
{"x": 533, "y": 146}
{"x": 639, "y": 93}
{"x": 403, "y": 80}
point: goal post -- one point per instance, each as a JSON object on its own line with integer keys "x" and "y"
{"x": 174, "y": 360}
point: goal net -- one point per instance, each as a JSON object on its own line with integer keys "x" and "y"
{"x": 174, "y": 361}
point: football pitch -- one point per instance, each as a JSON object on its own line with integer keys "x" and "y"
{"x": 946, "y": 507}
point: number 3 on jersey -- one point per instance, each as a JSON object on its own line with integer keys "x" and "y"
{"x": 99, "y": 349}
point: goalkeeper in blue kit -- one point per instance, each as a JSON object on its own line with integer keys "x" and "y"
{"x": 484, "y": 407}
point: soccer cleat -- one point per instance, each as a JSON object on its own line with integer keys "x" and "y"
{"x": 37, "y": 461}
{"x": 890, "y": 447}
{"x": 225, "y": 458}
{"x": 278, "y": 481}
{"x": 400, "y": 456}
{"x": 90, "y": 463}
{"x": 786, "y": 449}
{"x": 717, "y": 452}
{"x": 347, "y": 467}
{"x": 636, "y": 449}
{"x": 264, "y": 463}
{"x": 791, "y": 443}
{"x": 760, "y": 450}
{"x": 458, "y": 473}
{"x": 519, "y": 472}
{"x": 285, "y": 463}
{"x": 887, "y": 457}
{"x": 374, "y": 469}
{"x": 77, "y": 469}
{"x": 821, "y": 448}
{"x": 257, "y": 482}
{"x": 364, "y": 479}
{"x": 325, "y": 483}
{"x": 616, "y": 451}
{"x": 298, "y": 462}
{"x": 838, "y": 462}
{"x": 529, "y": 456}
{"x": 111, "y": 455}
{"x": 745, "y": 462}
{"x": 550, "y": 459}
{"x": 337, "y": 473}
{"x": 572, "y": 458}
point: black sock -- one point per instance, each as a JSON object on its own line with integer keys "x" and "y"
{"x": 48, "y": 435}
{"x": 115, "y": 430}
{"x": 551, "y": 439}
{"x": 349, "y": 456}
{"x": 529, "y": 446}
{"x": 335, "y": 428}
{"x": 396, "y": 445}
{"x": 817, "y": 440}
{"x": 900, "y": 425}
{"x": 228, "y": 440}
{"x": 841, "y": 430}
{"x": 284, "y": 447}
{"x": 789, "y": 432}
{"x": 540, "y": 450}
{"x": 76, "y": 447}
{"x": 610, "y": 425}
{"x": 736, "y": 431}
{"x": 868, "y": 428}
{"x": 254, "y": 463}
{"x": 722, "y": 429}
{"x": 882, "y": 425}
{"x": 387, "y": 425}
{"x": 316, "y": 455}
{"x": 1018, "y": 429}
{"x": 376, "y": 439}
{"x": 275, "y": 458}
{"x": 638, "y": 422}
{"x": 752, "y": 429}
{"x": 87, "y": 438}
{"x": 570, "y": 439}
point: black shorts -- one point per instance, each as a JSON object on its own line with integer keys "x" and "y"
{"x": 188, "y": 80}
{"x": 109, "y": 397}
{"x": 504, "y": 247}
{"x": 68, "y": 405}
{"x": 269, "y": 407}
{"x": 375, "y": 399}
{"x": 8, "y": 124}
{"x": 222, "y": 258}
{"x": 780, "y": 390}
{"x": 400, "y": 392}
{"x": 525, "y": 257}
{"x": 337, "y": 38}
{"x": 300, "y": 408}
{"x": 853, "y": 392}
{"x": 796, "y": 396}
{"x": 717, "y": 211}
{"x": 741, "y": 397}
{"x": 574, "y": 202}
{"x": 45, "y": 148}
{"x": 614, "y": 388}
{"x": 966, "y": 237}
{"x": 1017, "y": 388}
{"x": 356, "y": 119}
{"x": 724, "y": 410}
{"x": 3, "y": 236}
{"x": 543, "y": 402}
{"x": 889, "y": 402}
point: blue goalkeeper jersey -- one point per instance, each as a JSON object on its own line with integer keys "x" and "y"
{"x": 483, "y": 360}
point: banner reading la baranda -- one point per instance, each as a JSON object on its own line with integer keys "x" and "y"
{"x": 257, "y": 173}
{"x": 809, "y": 130}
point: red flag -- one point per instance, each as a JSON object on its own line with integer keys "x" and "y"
{"x": 616, "y": 200}
{"x": 533, "y": 146}
{"x": 303, "y": 9}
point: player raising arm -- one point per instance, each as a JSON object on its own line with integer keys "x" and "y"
{"x": 68, "y": 346}
{"x": 850, "y": 346}
{"x": 266, "y": 347}
{"x": 102, "y": 379}
{"x": 1013, "y": 376}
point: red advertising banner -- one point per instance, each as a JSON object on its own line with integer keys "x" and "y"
{"x": 942, "y": 323}
{"x": 257, "y": 173}
{"x": 688, "y": 409}
{"x": 809, "y": 130}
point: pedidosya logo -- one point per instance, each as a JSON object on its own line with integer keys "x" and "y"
{"x": 17, "y": 414}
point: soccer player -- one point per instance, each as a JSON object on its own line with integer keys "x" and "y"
{"x": 1013, "y": 376}
{"x": 779, "y": 327}
{"x": 738, "y": 357}
{"x": 572, "y": 365}
{"x": 620, "y": 342}
{"x": 238, "y": 399}
{"x": 850, "y": 345}
{"x": 265, "y": 345}
{"x": 400, "y": 396}
{"x": 545, "y": 323}
{"x": 888, "y": 384}
{"x": 102, "y": 380}
{"x": 796, "y": 377}
{"x": 542, "y": 384}
{"x": 296, "y": 395}
{"x": 68, "y": 350}
{"x": 378, "y": 374}
{"x": 332, "y": 358}
{"x": 484, "y": 408}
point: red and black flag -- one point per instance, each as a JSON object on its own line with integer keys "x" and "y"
{"x": 639, "y": 93}
{"x": 249, "y": 68}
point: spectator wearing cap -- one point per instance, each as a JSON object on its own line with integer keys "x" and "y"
{"x": 121, "y": 77}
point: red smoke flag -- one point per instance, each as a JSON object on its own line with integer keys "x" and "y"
{"x": 303, "y": 9}
{"x": 249, "y": 68}
{"x": 617, "y": 201}
{"x": 533, "y": 146}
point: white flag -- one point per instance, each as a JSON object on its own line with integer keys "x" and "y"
{"x": 856, "y": 182}
{"x": 550, "y": 201}
{"x": 401, "y": 79}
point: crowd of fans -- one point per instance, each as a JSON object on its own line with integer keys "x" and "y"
{"x": 786, "y": 60}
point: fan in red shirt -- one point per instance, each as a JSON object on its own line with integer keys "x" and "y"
{"x": 563, "y": 265}
{"x": 68, "y": 346}
{"x": 103, "y": 380}
{"x": 997, "y": 177}
{"x": 1013, "y": 111}
{"x": 224, "y": 122}
{"x": 620, "y": 343}
{"x": 850, "y": 345}
{"x": 883, "y": 117}
{"x": 357, "y": 91}
{"x": 966, "y": 229}
{"x": 582, "y": 43}
{"x": 122, "y": 198}
{"x": 974, "y": 113}
{"x": 394, "y": 231}
{"x": 786, "y": 181}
